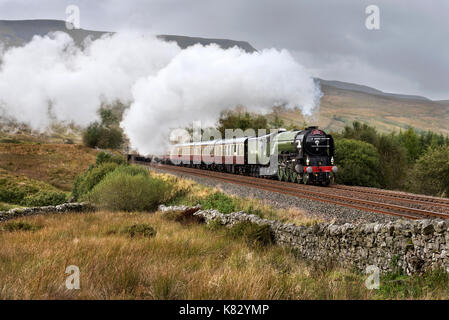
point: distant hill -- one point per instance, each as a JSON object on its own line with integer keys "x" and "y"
{"x": 387, "y": 112}
{"x": 366, "y": 89}
{"x": 341, "y": 104}
{"x": 18, "y": 32}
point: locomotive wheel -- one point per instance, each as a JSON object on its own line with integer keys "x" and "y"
{"x": 280, "y": 174}
{"x": 293, "y": 176}
{"x": 286, "y": 174}
{"x": 305, "y": 178}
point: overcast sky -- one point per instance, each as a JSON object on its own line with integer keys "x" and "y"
{"x": 409, "y": 54}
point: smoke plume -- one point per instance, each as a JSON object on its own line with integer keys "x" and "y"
{"x": 51, "y": 79}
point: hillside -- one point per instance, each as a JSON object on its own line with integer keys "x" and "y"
{"x": 386, "y": 112}
{"x": 56, "y": 165}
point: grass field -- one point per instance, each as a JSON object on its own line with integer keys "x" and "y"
{"x": 179, "y": 262}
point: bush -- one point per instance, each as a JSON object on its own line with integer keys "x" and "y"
{"x": 358, "y": 162}
{"x": 104, "y": 157}
{"x": 29, "y": 193}
{"x": 142, "y": 229}
{"x": 430, "y": 174}
{"x": 84, "y": 183}
{"x": 44, "y": 198}
{"x": 12, "y": 193}
{"x": 219, "y": 201}
{"x": 20, "y": 226}
{"x": 253, "y": 233}
{"x": 122, "y": 191}
{"x": 98, "y": 135}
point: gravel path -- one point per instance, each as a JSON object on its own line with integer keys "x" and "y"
{"x": 326, "y": 211}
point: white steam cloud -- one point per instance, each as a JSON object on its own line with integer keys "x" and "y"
{"x": 51, "y": 78}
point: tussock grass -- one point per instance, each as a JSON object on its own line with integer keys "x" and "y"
{"x": 141, "y": 229}
{"x": 20, "y": 226}
{"x": 254, "y": 234}
{"x": 178, "y": 262}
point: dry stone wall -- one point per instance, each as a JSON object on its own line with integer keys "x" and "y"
{"x": 62, "y": 208}
{"x": 413, "y": 246}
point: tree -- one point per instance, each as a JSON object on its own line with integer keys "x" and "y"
{"x": 106, "y": 134}
{"x": 358, "y": 162}
{"x": 108, "y": 118}
{"x": 430, "y": 174}
{"x": 410, "y": 140}
{"x": 393, "y": 161}
{"x": 362, "y": 132}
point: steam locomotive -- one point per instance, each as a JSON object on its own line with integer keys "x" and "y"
{"x": 300, "y": 156}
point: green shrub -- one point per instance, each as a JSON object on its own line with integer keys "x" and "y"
{"x": 104, "y": 157}
{"x": 430, "y": 174}
{"x": 358, "y": 162}
{"x": 20, "y": 226}
{"x": 14, "y": 192}
{"x": 99, "y": 135}
{"x": 142, "y": 229}
{"x": 219, "y": 201}
{"x": 44, "y": 198}
{"x": 11, "y": 194}
{"x": 29, "y": 193}
{"x": 122, "y": 191}
{"x": 84, "y": 183}
{"x": 253, "y": 233}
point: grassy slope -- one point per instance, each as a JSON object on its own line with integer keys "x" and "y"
{"x": 180, "y": 262}
{"x": 339, "y": 107}
{"x": 55, "y": 164}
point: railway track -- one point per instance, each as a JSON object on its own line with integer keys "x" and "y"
{"x": 351, "y": 199}
{"x": 394, "y": 195}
